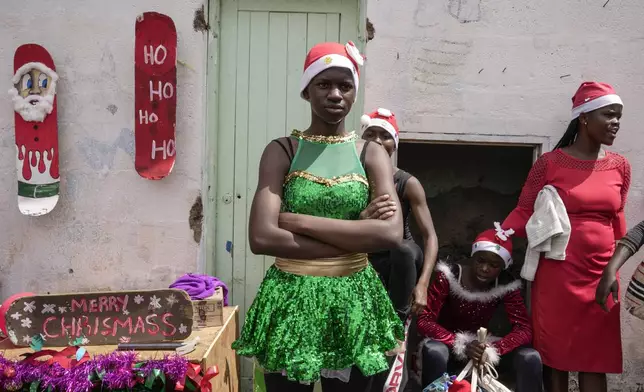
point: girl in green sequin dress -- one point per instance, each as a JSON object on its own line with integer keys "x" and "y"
{"x": 321, "y": 310}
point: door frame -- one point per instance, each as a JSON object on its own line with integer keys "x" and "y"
{"x": 211, "y": 134}
{"x": 538, "y": 143}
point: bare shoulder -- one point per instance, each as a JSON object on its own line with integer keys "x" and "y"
{"x": 414, "y": 189}
{"x": 276, "y": 158}
{"x": 285, "y": 146}
{"x": 414, "y": 183}
{"x": 285, "y": 141}
{"x": 375, "y": 154}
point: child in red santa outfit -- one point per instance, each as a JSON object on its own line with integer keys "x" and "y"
{"x": 463, "y": 298}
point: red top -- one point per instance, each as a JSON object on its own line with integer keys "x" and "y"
{"x": 570, "y": 176}
{"x": 452, "y": 309}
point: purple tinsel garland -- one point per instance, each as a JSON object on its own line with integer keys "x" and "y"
{"x": 118, "y": 367}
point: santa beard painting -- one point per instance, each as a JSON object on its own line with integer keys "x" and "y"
{"x": 34, "y": 101}
{"x": 34, "y": 92}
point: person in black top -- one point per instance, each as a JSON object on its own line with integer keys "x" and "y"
{"x": 405, "y": 271}
{"x": 630, "y": 244}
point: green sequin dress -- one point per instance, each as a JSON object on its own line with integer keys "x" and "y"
{"x": 311, "y": 326}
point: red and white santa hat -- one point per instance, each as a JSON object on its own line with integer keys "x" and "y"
{"x": 592, "y": 96}
{"x": 331, "y": 54}
{"x": 496, "y": 241}
{"x": 32, "y": 56}
{"x": 383, "y": 118}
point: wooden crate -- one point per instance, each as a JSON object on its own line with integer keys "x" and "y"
{"x": 208, "y": 312}
{"x": 214, "y": 348}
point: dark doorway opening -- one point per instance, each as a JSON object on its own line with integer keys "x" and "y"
{"x": 468, "y": 188}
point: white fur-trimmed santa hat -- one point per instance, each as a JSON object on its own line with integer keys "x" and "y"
{"x": 496, "y": 241}
{"x": 592, "y": 96}
{"x": 383, "y": 118}
{"x": 32, "y": 56}
{"x": 331, "y": 54}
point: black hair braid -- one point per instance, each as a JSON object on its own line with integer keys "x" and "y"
{"x": 570, "y": 135}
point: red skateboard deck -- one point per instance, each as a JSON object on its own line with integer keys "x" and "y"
{"x": 34, "y": 101}
{"x": 155, "y": 99}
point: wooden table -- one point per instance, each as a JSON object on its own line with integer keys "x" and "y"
{"x": 213, "y": 349}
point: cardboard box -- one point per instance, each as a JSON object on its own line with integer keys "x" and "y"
{"x": 209, "y": 312}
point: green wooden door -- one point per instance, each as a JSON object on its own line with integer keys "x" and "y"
{"x": 262, "y": 48}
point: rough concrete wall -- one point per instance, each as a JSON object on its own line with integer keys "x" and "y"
{"x": 111, "y": 229}
{"x": 509, "y": 68}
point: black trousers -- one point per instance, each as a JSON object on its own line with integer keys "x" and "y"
{"x": 524, "y": 362}
{"x": 399, "y": 269}
{"x": 275, "y": 382}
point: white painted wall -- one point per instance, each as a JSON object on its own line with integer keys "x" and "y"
{"x": 112, "y": 228}
{"x": 500, "y": 68}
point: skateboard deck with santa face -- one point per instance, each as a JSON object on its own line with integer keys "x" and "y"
{"x": 155, "y": 78}
{"x": 33, "y": 95}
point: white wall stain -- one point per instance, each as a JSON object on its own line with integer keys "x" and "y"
{"x": 465, "y": 11}
{"x": 99, "y": 155}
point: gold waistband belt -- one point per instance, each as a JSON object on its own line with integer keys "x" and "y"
{"x": 335, "y": 266}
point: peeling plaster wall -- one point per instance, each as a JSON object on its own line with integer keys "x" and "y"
{"x": 111, "y": 229}
{"x": 493, "y": 67}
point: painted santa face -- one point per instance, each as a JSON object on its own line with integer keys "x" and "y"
{"x": 487, "y": 266}
{"x": 381, "y": 136}
{"x": 602, "y": 124}
{"x": 331, "y": 94}
{"x": 33, "y": 83}
{"x": 33, "y": 95}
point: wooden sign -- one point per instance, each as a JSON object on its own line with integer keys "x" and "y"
{"x": 155, "y": 99}
{"x": 101, "y": 318}
{"x": 33, "y": 94}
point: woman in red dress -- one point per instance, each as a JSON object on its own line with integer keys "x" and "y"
{"x": 571, "y": 332}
